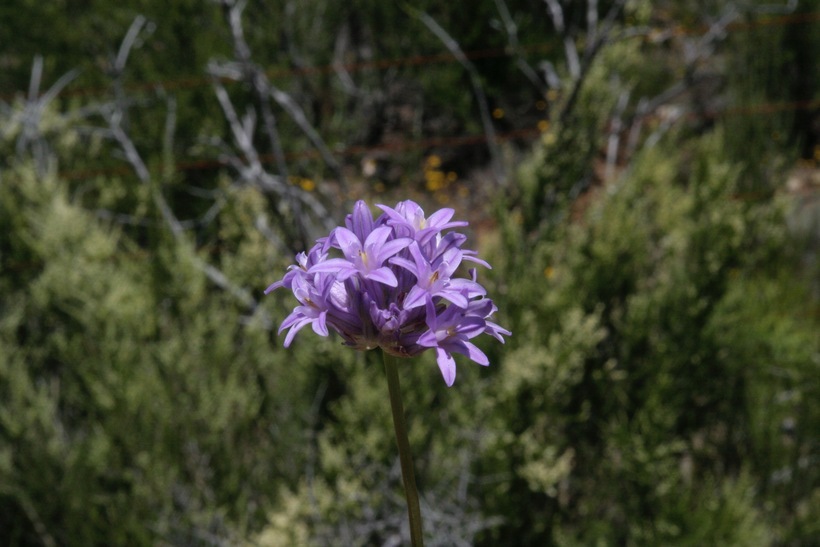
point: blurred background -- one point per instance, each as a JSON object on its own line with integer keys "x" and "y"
{"x": 643, "y": 177}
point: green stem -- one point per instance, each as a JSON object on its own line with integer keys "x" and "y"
{"x": 405, "y": 457}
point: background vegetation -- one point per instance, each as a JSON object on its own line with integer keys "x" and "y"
{"x": 641, "y": 175}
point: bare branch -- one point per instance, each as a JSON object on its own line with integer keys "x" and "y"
{"x": 114, "y": 114}
{"x": 58, "y": 86}
{"x": 475, "y": 80}
{"x": 297, "y": 114}
{"x": 550, "y": 74}
{"x": 511, "y": 30}
{"x": 31, "y": 136}
{"x": 570, "y": 50}
{"x": 128, "y": 43}
{"x": 254, "y": 75}
{"x": 614, "y": 138}
{"x": 36, "y": 76}
{"x": 602, "y": 36}
{"x": 592, "y": 20}
{"x": 251, "y": 169}
{"x": 339, "y": 47}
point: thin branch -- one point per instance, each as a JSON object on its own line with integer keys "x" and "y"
{"x": 251, "y": 169}
{"x": 602, "y": 36}
{"x": 570, "y": 50}
{"x": 31, "y": 136}
{"x": 128, "y": 43}
{"x": 338, "y": 63}
{"x": 298, "y": 115}
{"x": 265, "y": 89}
{"x": 511, "y": 30}
{"x": 614, "y": 138}
{"x": 550, "y": 74}
{"x": 36, "y": 76}
{"x": 592, "y": 20}
{"x": 58, "y": 86}
{"x": 114, "y": 115}
{"x": 475, "y": 80}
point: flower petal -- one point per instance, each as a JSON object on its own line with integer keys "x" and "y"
{"x": 464, "y": 347}
{"x": 440, "y": 217}
{"x": 348, "y": 242}
{"x": 361, "y": 221}
{"x": 339, "y": 266}
{"x": 406, "y": 264}
{"x": 470, "y": 326}
{"x": 294, "y": 329}
{"x": 471, "y": 288}
{"x": 455, "y": 297}
{"x": 274, "y": 286}
{"x": 496, "y": 331}
{"x": 388, "y": 249}
{"x": 476, "y": 354}
{"x": 383, "y": 275}
{"x": 376, "y": 239}
{"x": 415, "y": 298}
{"x": 428, "y": 339}
{"x": 320, "y": 324}
{"x": 447, "y": 365}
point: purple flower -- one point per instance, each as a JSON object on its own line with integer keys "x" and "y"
{"x": 365, "y": 258}
{"x": 391, "y": 282}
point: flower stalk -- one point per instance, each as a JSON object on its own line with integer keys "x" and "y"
{"x": 405, "y": 456}
{"x": 392, "y": 282}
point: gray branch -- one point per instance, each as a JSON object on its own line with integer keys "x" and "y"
{"x": 475, "y": 80}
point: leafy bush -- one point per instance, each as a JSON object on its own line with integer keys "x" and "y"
{"x": 653, "y": 375}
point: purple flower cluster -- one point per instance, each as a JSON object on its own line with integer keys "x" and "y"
{"x": 390, "y": 284}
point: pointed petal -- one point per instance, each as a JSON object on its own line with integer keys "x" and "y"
{"x": 449, "y": 241}
{"x": 390, "y": 248}
{"x": 455, "y": 297}
{"x": 406, "y": 264}
{"x": 361, "y": 221}
{"x": 496, "y": 331}
{"x": 422, "y": 264}
{"x": 391, "y": 213}
{"x": 465, "y": 348}
{"x": 431, "y": 319}
{"x": 383, "y": 275}
{"x": 450, "y": 262}
{"x": 339, "y": 266}
{"x": 476, "y": 354}
{"x": 428, "y": 339}
{"x": 348, "y": 242}
{"x": 470, "y": 255}
{"x": 320, "y": 324}
{"x": 294, "y": 329}
{"x": 440, "y": 217}
{"x": 294, "y": 317}
{"x": 415, "y": 298}
{"x": 447, "y": 365}
{"x": 470, "y": 326}
{"x": 274, "y": 286}
{"x": 471, "y": 288}
{"x": 376, "y": 239}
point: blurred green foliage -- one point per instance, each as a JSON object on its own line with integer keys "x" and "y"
{"x": 660, "y": 352}
{"x": 660, "y": 386}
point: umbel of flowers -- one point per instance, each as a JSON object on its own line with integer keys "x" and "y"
{"x": 392, "y": 283}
